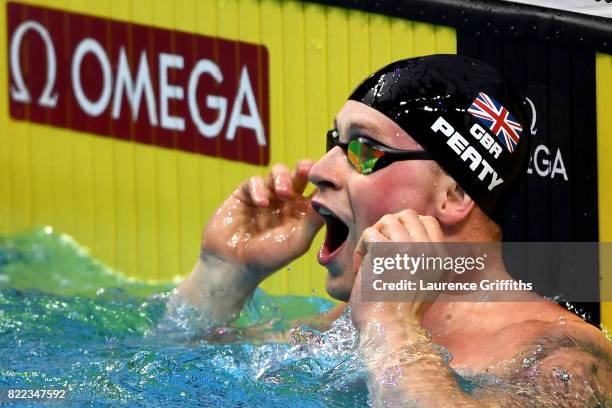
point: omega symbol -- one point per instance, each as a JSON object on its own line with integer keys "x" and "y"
{"x": 19, "y": 92}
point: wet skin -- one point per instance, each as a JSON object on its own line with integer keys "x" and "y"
{"x": 267, "y": 222}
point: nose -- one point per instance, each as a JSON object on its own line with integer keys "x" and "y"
{"x": 330, "y": 171}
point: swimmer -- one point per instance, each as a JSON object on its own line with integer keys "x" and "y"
{"x": 410, "y": 158}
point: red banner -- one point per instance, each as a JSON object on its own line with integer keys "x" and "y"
{"x": 144, "y": 84}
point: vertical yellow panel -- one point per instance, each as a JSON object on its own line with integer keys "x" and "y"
{"x": 167, "y": 190}
{"x": 61, "y": 176}
{"x": 402, "y": 39}
{"x": 20, "y": 180}
{"x": 146, "y": 212}
{"x": 380, "y": 41}
{"x": 604, "y": 172}
{"x": 424, "y": 39}
{"x": 125, "y": 182}
{"x": 359, "y": 50}
{"x": 42, "y": 184}
{"x": 104, "y": 199}
{"x": 446, "y": 40}
{"x": 338, "y": 86}
{"x": 146, "y": 188}
{"x": 83, "y": 188}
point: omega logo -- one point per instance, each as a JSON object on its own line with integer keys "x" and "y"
{"x": 177, "y": 90}
{"x": 19, "y": 92}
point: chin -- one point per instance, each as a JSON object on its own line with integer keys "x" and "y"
{"x": 339, "y": 287}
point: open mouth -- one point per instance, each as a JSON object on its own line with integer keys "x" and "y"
{"x": 335, "y": 236}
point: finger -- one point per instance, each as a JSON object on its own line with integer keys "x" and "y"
{"x": 255, "y": 191}
{"x": 436, "y": 236}
{"x": 279, "y": 181}
{"x": 413, "y": 225}
{"x": 391, "y": 227}
{"x": 299, "y": 177}
{"x": 432, "y": 226}
{"x": 369, "y": 235}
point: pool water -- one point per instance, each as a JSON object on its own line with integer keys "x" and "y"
{"x": 67, "y": 321}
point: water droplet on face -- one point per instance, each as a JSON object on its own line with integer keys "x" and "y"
{"x": 233, "y": 242}
{"x": 562, "y": 320}
{"x": 528, "y": 361}
{"x": 562, "y": 375}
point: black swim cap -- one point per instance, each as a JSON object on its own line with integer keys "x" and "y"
{"x": 464, "y": 113}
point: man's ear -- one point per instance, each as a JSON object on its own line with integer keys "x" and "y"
{"x": 454, "y": 204}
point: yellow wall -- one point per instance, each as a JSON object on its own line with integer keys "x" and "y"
{"x": 141, "y": 209}
{"x": 604, "y": 176}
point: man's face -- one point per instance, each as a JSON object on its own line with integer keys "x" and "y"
{"x": 357, "y": 201}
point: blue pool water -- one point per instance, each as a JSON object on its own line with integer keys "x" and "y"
{"x": 67, "y": 321}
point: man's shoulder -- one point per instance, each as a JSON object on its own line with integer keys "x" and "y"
{"x": 553, "y": 329}
{"x": 565, "y": 357}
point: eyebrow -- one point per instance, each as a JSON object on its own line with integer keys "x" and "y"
{"x": 361, "y": 125}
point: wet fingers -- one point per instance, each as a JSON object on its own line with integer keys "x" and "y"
{"x": 255, "y": 189}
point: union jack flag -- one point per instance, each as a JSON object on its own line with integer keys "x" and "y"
{"x": 498, "y": 119}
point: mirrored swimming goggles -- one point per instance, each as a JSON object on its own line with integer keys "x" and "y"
{"x": 367, "y": 156}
